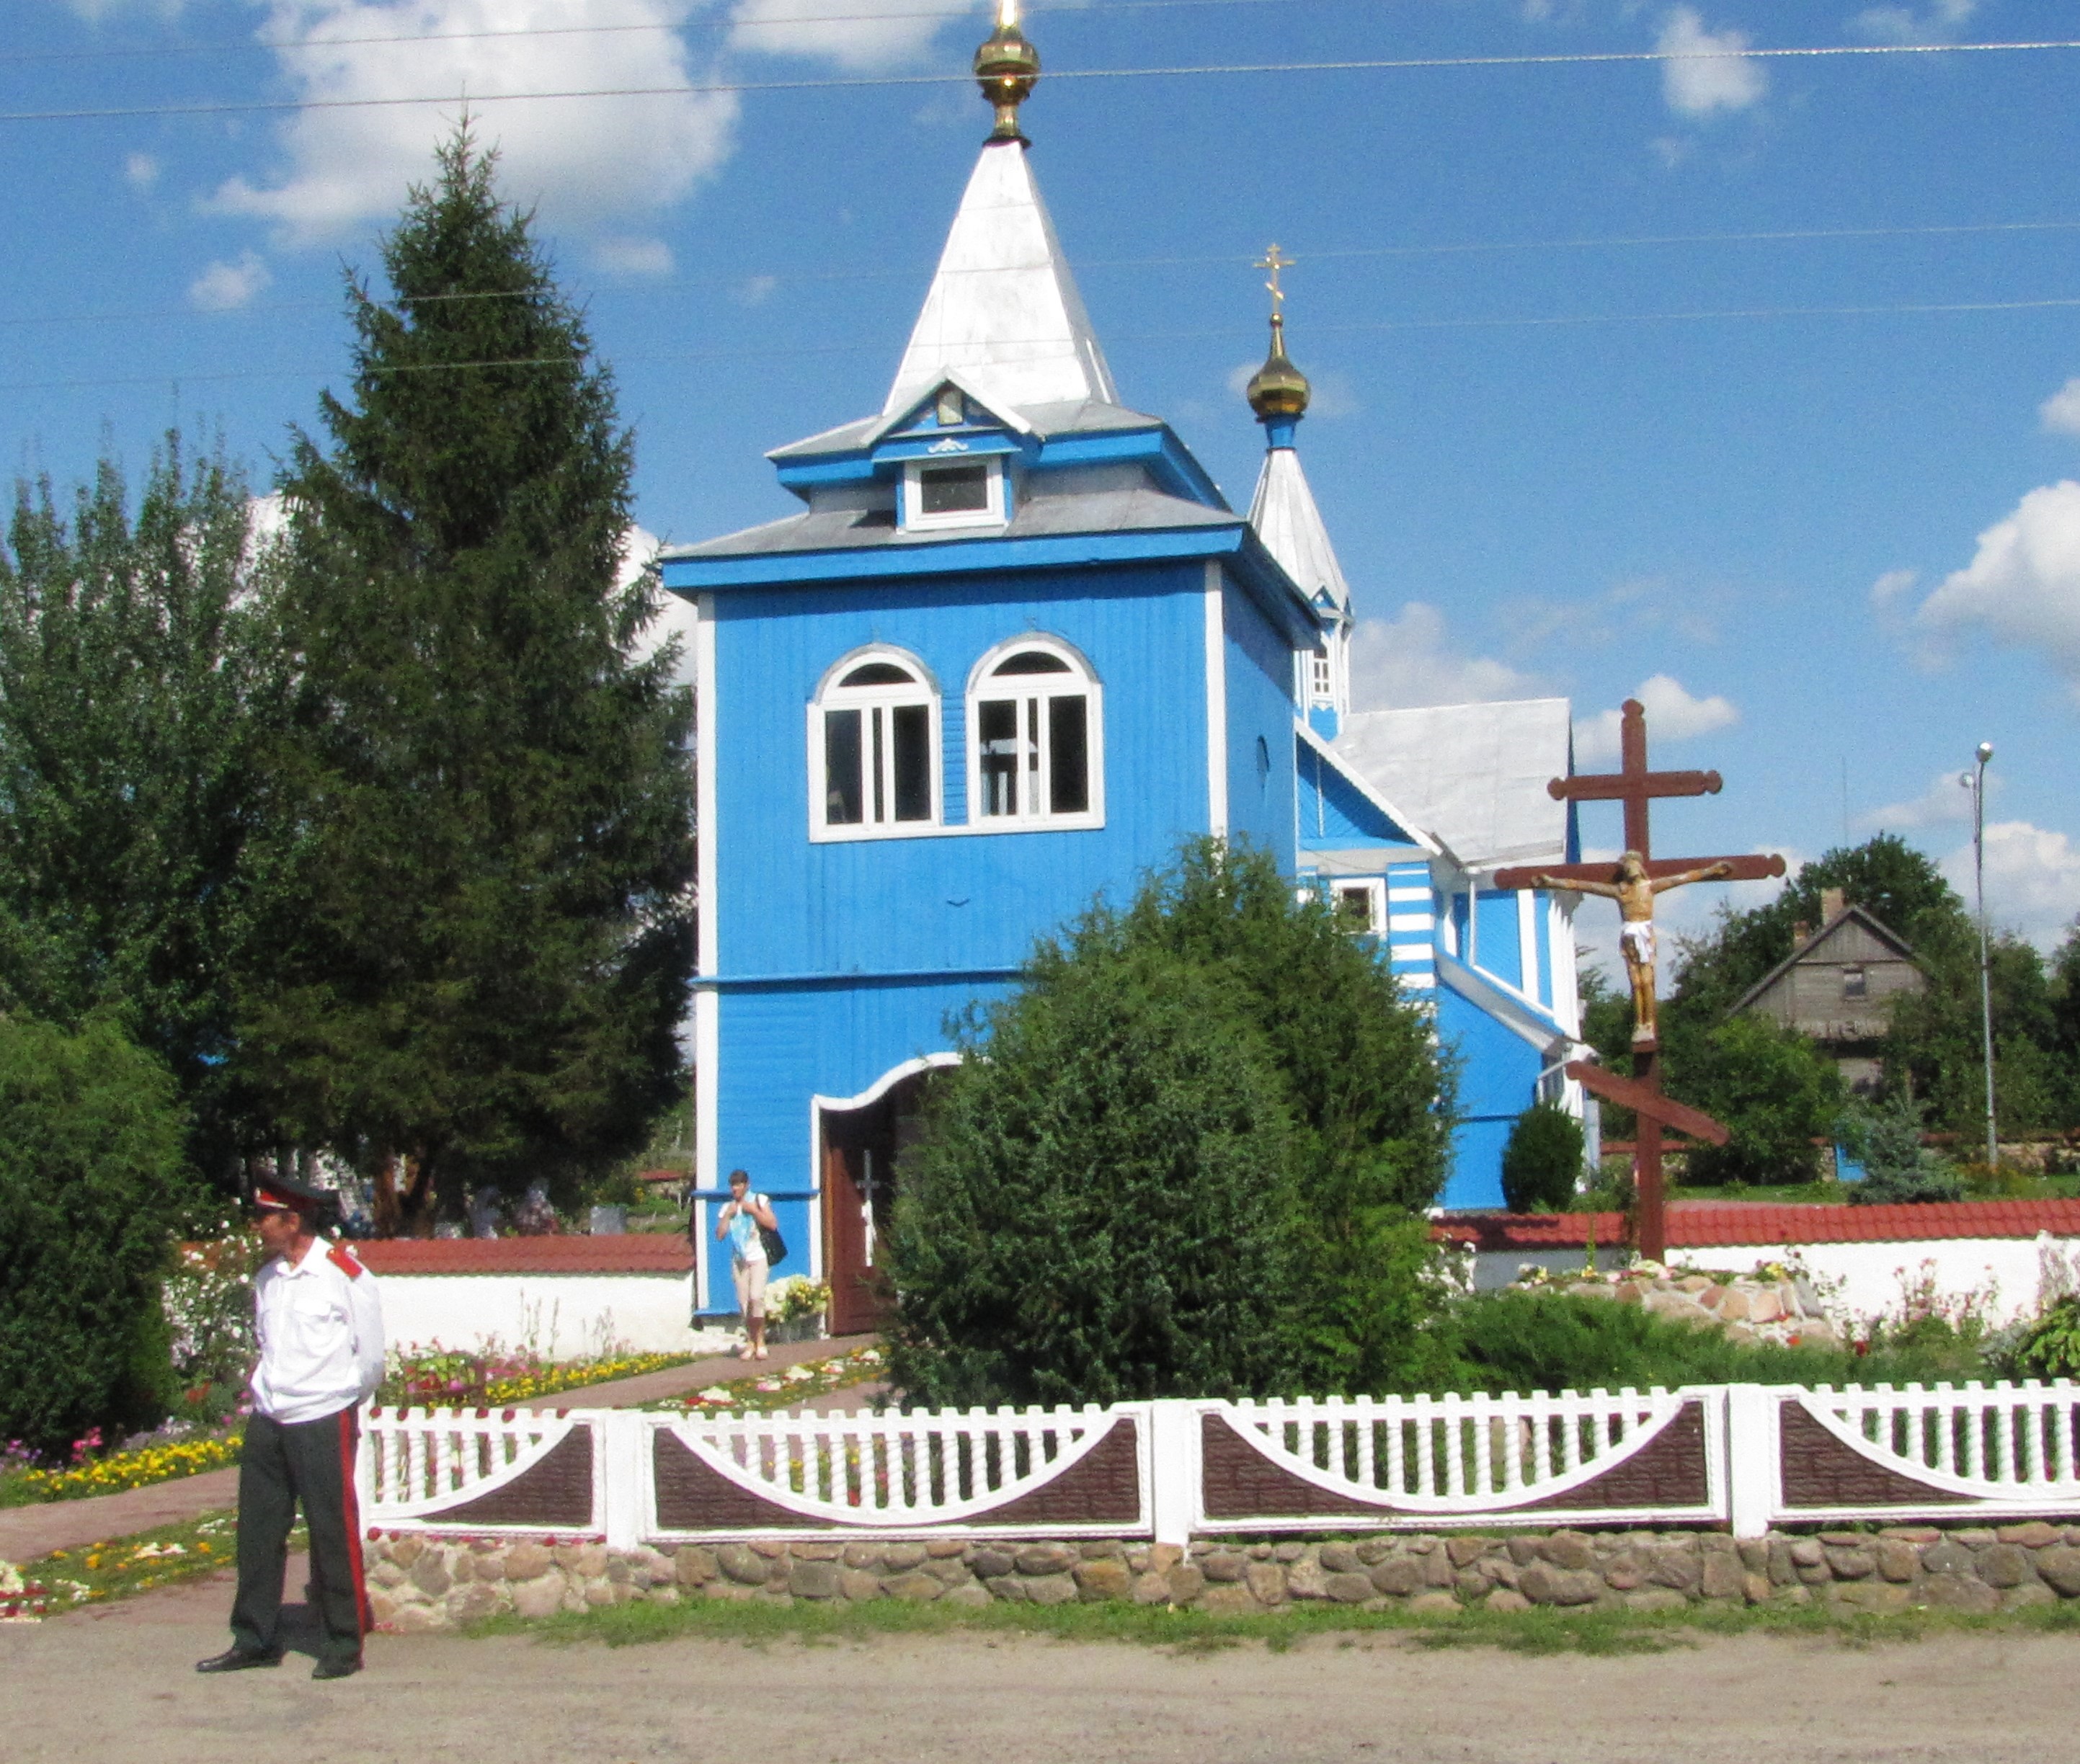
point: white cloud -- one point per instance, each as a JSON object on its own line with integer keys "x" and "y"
{"x": 1944, "y": 800}
{"x": 583, "y": 161}
{"x": 870, "y": 34}
{"x": 755, "y": 290}
{"x": 1398, "y": 664}
{"x": 1887, "y": 590}
{"x": 2060, "y": 414}
{"x": 2032, "y": 879}
{"x": 1939, "y": 23}
{"x": 621, "y": 254}
{"x": 2023, "y": 583}
{"x": 224, "y": 286}
{"x": 142, "y": 170}
{"x": 1673, "y": 713}
{"x": 1719, "y": 77}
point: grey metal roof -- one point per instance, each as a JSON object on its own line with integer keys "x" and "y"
{"x": 1079, "y": 415}
{"x": 1003, "y": 307}
{"x": 1136, "y": 510}
{"x": 1810, "y": 949}
{"x": 1473, "y": 774}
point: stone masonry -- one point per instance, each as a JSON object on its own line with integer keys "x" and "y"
{"x": 1747, "y": 1309}
{"x": 421, "y": 1582}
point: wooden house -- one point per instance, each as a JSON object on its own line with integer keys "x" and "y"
{"x": 1837, "y": 985}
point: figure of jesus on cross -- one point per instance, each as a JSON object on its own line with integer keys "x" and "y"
{"x": 1637, "y": 877}
{"x": 1634, "y": 891}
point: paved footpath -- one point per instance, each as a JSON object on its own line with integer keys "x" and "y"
{"x": 27, "y": 1532}
{"x": 118, "y": 1683}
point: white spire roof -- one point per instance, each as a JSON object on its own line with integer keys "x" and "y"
{"x": 1003, "y": 310}
{"x": 1290, "y": 525}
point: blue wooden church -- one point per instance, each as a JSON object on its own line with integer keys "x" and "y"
{"x": 1012, "y": 650}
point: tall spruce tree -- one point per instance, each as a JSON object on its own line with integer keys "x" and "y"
{"x": 487, "y": 965}
{"x": 136, "y": 682}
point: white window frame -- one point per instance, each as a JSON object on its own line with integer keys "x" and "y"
{"x": 914, "y": 520}
{"x": 1374, "y": 889}
{"x": 921, "y": 690}
{"x": 1081, "y": 680}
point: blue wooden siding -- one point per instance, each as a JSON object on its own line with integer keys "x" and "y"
{"x": 1497, "y": 949}
{"x": 1334, "y": 814}
{"x": 1498, "y": 1080}
{"x": 1260, "y": 719}
{"x": 1411, "y": 918}
{"x": 946, "y": 900}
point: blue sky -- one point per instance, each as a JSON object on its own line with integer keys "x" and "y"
{"x": 1751, "y": 384}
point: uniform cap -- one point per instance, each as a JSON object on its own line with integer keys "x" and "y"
{"x": 284, "y": 1194}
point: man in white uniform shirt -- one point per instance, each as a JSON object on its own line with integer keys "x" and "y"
{"x": 321, "y": 1332}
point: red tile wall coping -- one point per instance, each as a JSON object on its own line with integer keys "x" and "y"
{"x": 1703, "y": 1225}
{"x": 635, "y": 1253}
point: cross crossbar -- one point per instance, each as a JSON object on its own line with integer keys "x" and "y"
{"x": 1646, "y": 1099}
{"x": 1747, "y": 867}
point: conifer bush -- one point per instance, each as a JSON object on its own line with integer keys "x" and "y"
{"x": 1542, "y": 1161}
{"x": 92, "y": 1181}
{"x": 1187, "y": 1158}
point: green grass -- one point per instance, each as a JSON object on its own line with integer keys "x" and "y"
{"x": 756, "y": 1624}
{"x": 123, "y": 1567}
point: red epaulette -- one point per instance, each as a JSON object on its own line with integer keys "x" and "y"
{"x": 342, "y": 1257}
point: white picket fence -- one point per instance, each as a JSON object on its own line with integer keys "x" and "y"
{"x": 1745, "y": 1456}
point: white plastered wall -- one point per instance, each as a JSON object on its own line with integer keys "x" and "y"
{"x": 559, "y": 1316}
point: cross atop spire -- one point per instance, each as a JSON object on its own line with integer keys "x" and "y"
{"x": 1274, "y": 260}
{"x": 1006, "y": 67}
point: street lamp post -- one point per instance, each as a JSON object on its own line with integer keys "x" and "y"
{"x": 1975, "y": 781}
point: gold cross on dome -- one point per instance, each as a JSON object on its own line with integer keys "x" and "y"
{"x": 1274, "y": 260}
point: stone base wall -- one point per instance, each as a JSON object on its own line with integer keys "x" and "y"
{"x": 422, "y": 1583}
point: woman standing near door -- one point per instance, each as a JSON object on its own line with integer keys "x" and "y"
{"x": 740, "y": 1221}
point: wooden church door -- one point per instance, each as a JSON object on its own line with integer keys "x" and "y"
{"x": 861, "y": 1148}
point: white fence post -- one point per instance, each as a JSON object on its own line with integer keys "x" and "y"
{"x": 1752, "y": 1480}
{"x": 1173, "y": 1469}
{"x": 623, "y": 1433}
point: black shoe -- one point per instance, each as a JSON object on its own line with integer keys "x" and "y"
{"x": 240, "y": 1659}
{"x": 335, "y": 1668}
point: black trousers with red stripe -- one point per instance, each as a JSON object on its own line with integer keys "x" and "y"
{"x": 307, "y": 1463}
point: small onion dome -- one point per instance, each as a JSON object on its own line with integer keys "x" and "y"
{"x": 1005, "y": 68}
{"x": 1278, "y": 389}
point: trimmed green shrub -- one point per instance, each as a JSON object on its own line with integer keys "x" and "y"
{"x": 2048, "y": 1346}
{"x": 91, "y": 1182}
{"x": 1542, "y": 1161}
{"x": 1550, "y": 1341}
{"x": 1100, "y": 1208}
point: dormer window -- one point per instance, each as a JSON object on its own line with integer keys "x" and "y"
{"x": 874, "y": 749}
{"x": 952, "y": 492}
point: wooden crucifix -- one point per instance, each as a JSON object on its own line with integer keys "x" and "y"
{"x": 1634, "y": 882}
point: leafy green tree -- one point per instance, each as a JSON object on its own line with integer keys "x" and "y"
{"x": 136, "y": 683}
{"x": 1935, "y": 1046}
{"x": 1100, "y": 1209}
{"x": 486, "y": 963}
{"x": 1773, "y": 1092}
{"x": 1542, "y": 1163}
{"x": 92, "y": 1181}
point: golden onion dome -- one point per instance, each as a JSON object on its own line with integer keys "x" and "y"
{"x": 1278, "y": 388}
{"x": 1006, "y": 67}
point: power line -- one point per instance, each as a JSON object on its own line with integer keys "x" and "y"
{"x": 704, "y": 88}
{"x": 266, "y": 45}
{"x": 661, "y": 290}
{"x": 1929, "y": 308}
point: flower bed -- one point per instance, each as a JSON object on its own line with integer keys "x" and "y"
{"x": 439, "y": 1377}
{"x": 783, "y": 1389}
{"x": 115, "y": 1472}
{"x": 68, "y": 1578}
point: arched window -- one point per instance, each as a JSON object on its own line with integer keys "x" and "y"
{"x": 1035, "y": 738}
{"x": 873, "y": 747}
